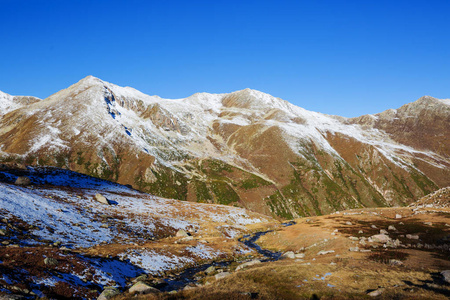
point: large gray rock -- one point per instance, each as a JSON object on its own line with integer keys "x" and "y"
{"x": 380, "y": 238}
{"x": 182, "y": 233}
{"x": 108, "y": 293}
{"x": 102, "y": 199}
{"x": 22, "y": 180}
{"x": 142, "y": 288}
{"x": 446, "y": 275}
{"x": 288, "y": 254}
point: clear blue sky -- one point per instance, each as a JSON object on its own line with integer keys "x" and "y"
{"x": 338, "y": 57}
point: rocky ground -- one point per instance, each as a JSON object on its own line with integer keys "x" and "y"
{"x": 64, "y": 235}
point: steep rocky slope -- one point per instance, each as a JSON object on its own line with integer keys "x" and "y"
{"x": 245, "y": 148}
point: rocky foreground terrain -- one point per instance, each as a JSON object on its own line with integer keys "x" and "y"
{"x": 246, "y": 148}
{"x": 65, "y": 235}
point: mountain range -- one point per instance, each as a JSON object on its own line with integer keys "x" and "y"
{"x": 245, "y": 148}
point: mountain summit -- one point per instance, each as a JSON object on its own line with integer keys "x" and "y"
{"x": 246, "y": 148}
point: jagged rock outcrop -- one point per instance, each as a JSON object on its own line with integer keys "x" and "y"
{"x": 246, "y": 148}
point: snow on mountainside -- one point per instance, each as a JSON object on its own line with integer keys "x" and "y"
{"x": 96, "y": 244}
{"x": 245, "y": 148}
{"x": 9, "y": 103}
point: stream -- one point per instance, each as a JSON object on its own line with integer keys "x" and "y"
{"x": 181, "y": 280}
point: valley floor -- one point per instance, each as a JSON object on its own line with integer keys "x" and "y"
{"x": 58, "y": 242}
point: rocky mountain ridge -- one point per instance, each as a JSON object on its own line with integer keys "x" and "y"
{"x": 245, "y": 148}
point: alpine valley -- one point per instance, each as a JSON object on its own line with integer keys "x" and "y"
{"x": 245, "y": 149}
{"x": 108, "y": 193}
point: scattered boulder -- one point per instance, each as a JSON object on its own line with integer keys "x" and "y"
{"x": 446, "y": 275}
{"x": 289, "y": 254}
{"x": 324, "y": 252}
{"x": 49, "y": 261}
{"x": 143, "y": 277}
{"x": 251, "y": 263}
{"x": 395, "y": 262}
{"x": 379, "y": 238}
{"x": 397, "y": 216}
{"x": 210, "y": 270}
{"x": 382, "y": 231}
{"x": 376, "y": 293}
{"x": 222, "y": 275}
{"x": 102, "y": 199}
{"x": 142, "y": 289}
{"x": 108, "y": 293}
{"x": 373, "y": 226}
{"x": 182, "y": 233}
{"x": 412, "y": 236}
{"x": 392, "y": 228}
{"x": 23, "y": 180}
{"x": 300, "y": 255}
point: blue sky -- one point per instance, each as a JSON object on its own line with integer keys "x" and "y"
{"x": 338, "y": 57}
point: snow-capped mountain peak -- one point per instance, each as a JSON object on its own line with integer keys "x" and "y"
{"x": 246, "y": 147}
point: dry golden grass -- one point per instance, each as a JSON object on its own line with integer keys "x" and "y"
{"x": 342, "y": 274}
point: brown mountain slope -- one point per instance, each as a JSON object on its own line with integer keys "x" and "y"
{"x": 246, "y": 148}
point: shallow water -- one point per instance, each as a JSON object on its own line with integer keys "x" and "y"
{"x": 188, "y": 275}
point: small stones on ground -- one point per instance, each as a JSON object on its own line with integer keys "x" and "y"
{"x": 2, "y": 232}
{"x": 354, "y": 238}
{"x": 353, "y": 249}
{"x": 392, "y": 228}
{"x": 382, "y": 231}
{"x": 360, "y": 232}
{"x": 142, "y": 288}
{"x": 324, "y": 252}
{"x": 397, "y": 216}
{"x": 222, "y": 275}
{"x": 376, "y": 293}
{"x": 300, "y": 255}
{"x": 348, "y": 223}
{"x": 428, "y": 223}
{"x": 373, "y": 226}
